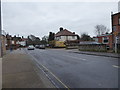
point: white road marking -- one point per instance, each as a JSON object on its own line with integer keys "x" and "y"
{"x": 75, "y": 57}
{"x": 116, "y": 66}
{"x": 83, "y": 59}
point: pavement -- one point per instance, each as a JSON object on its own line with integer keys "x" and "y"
{"x": 106, "y": 54}
{"x": 74, "y": 70}
{"x": 0, "y": 73}
{"x": 19, "y": 71}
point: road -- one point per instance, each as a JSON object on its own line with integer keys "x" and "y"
{"x": 78, "y": 70}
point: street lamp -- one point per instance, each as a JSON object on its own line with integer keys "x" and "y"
{"x": 0, "y": 32}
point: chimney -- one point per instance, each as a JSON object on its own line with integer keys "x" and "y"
{"x": 111, "y": 13}
{"x": 61, "y": 28}
{"x": 73, "y": 32}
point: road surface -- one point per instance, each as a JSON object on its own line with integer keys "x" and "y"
{"x": 78, "y": 70}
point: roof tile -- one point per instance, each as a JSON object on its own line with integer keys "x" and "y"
{"x": 65, "y": 32}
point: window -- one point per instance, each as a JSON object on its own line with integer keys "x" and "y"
{"x": 95, "y": 39}
{"x": 60, "y": 37}
{"x": 105, "y": 39}
{"x": 119, "y": 21}
{"x": 57, "y": 38}
{"x": 73, "y": 37}
{"x": 114, "y": 28}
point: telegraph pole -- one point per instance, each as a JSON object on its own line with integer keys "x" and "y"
{"x": 0, "y": 19}
{"x": 0, "y": 32}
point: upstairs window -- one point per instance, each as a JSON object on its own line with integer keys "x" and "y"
{"x": 119, "y": 21}
{"x": 114, "y": 28}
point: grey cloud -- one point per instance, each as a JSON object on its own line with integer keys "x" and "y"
{"x": 40, "y": 18}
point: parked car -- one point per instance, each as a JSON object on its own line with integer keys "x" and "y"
{"x": 37, "y": 46}
{"x": 30, "y": 47}
{"x": 42, "y": 47}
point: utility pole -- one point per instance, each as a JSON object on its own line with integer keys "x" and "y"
{"x": 0, "y": 19}
{"x": 116, "y": 46}
{"x": 0, "y": 32}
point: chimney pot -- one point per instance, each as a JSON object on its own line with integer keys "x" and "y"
{"x": 73, "y": 32}
{"x": 61, "y": 28}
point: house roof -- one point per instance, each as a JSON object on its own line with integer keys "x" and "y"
{"x": 65, "y": 32}
{"x": 116, "y": 14}
{"x": 103, "y": 35}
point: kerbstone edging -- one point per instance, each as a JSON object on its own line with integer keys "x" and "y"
{"x": 0, "y": 73}
{"x": 98, "y": 54}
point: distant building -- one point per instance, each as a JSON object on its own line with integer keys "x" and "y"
{"x": 112, "y": 39}
{"x": 104, "y": 39}
{"x": 33, "y": 40}
{"x": 64, "y": 35}
{"x": 22, "y": 42}
{"x": 32, "y": 37}
{"x": 15, "y": 42}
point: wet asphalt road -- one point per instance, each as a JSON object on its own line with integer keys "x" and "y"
{"x": 79, "y": 70}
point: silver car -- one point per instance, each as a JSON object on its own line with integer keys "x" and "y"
{"x": 30, "y": 47}
{"x": 42, "y": 47}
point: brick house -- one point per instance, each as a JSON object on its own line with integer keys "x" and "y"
{"x": 12, "y": 42}
{"x": 105, "y": 39}
{"x": 22, "y": 42}
{"x": 116, "y": 30}
{"x": 112, "y": 39}
{"x": 115, "y": 25}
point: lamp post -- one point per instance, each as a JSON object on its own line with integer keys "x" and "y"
{"x": 0, "y": 19}
{"x": 0, "y": 32}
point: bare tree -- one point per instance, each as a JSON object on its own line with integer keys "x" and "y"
{"x": 101, "y": 29}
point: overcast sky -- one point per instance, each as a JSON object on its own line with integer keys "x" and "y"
{"x": 39, "y": 18}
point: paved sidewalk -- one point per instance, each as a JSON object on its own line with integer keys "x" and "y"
{"x": 0, "y": 73}
{"x": 114, "y": 55}
{"x": 20, "y": 72}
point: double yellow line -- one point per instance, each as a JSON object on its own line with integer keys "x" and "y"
{"x": 55, "y": 77}
{"x": 50, "y": 73}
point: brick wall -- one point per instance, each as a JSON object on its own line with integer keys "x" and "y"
{"x": 115, "y": 25}
{"x": 93, "y": 47}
